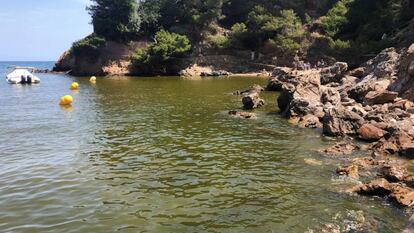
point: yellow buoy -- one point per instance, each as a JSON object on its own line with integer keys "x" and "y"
{"x": 92, "y": 79}
{"x": 74, "y": 86}
{"x": 66, "y": 100}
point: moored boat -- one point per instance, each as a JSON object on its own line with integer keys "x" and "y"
{"x": 22, "y": 76}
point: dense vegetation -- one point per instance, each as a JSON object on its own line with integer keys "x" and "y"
{"x": 342, "y": 28}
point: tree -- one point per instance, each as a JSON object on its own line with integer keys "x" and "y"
{"x": 115, "y": 20}
{"x": 167, "y": 46}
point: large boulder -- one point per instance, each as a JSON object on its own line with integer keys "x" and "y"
{"x": 252, "y": 100}
{"x": 379, "y": 73}
{"x": 370, "y": 133}
{"x": 338, "y": 121}
{"x": 379, "y": 97}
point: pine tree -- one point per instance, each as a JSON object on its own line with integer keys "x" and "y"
{"x": 115, "y": 20}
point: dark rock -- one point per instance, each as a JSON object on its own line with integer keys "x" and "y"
{"x": 214, "y": 73}
{"x": 274, "y": 84}
{"x": 252, "y": 101}
{"x": 370, "y": 133}
{"x": 339, "y": 121}
{"x": 333, "y": 73}
{"x": 407, "y": 150}
{"x": 380, "y": 97}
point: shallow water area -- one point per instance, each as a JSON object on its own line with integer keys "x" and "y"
{"x": 161, "y": 154}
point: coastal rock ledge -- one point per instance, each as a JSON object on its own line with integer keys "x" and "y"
{"x": 373, "y": 103}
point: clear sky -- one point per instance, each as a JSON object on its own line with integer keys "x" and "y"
{"x": 41, "y": 30}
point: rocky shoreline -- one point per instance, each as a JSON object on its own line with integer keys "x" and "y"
{"x": 370, "y": 108}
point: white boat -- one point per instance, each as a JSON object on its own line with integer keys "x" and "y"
{"x": 22, "y": 76}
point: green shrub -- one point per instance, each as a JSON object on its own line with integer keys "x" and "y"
{"x": 89, "y": 46}
{"x": 218, "y": 41}
{"x": 167, "y": 46}
{"x": 285, "y": 44}
{"x": 340, "y": 45}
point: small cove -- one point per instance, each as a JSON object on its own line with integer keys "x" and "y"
{"x": 161, "y": 155}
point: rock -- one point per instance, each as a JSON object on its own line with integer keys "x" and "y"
{"x": 380, "y": 97}
{"x": 333, "y": 73}
{"x": 350, "y": 171}
{"x": 397, "y": 141}
{"x": 404, "y": 84}
{"x": 329, "y": 95}
{"x": 274, "y": 84}
{"x": 358, "y": 72}
{"x": 403, "y": 196}
{"x": 214, "y": 73}
{"x": 407, "y": 150}
{"x": 342, "y": 148}
{"x": 339, "y": 121}
{"x": 300, "y": 99}
{"x": 370, "y": 133}
{"x": 242, "y": 115}
{"x": 252, "y": 101}
{"x": 379, "y": 187}
{"x": 411, "y": 69}
{"x": 379, "y": 73}
{"x": 254, "y": 88}
{"x": 394, "y": 172}
{"x": 358, "y": 109}
{"x": 309, "y": 121}
{"x": 194, "y": 71}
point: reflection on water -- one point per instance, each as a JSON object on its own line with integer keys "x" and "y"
{"x": 160, "y": 155}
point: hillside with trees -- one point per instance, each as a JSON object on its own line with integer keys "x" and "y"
{"x": 280, "y": 31}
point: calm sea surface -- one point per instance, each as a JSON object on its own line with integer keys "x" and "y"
{"x": 161, "y": 155}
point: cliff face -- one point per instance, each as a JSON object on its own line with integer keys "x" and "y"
{"x": 113, "y": 58}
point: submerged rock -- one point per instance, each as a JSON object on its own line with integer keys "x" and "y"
{"x": 242, "y": 115}
{"x": 350, "y": 171}
{"x": 342, "y": 148}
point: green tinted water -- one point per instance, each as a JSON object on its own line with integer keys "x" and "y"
{"x": 161, "y": 155}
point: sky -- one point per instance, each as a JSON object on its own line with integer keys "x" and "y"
{"x": 41, "y": 30}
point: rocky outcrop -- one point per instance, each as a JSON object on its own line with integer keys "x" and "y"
{"x": 252, "y": 100}
{"x": 113, "y": 59}
{"x": 339, "y": 122}
{"x": 372, "y": 103}
{"x": 366, "y": 106}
